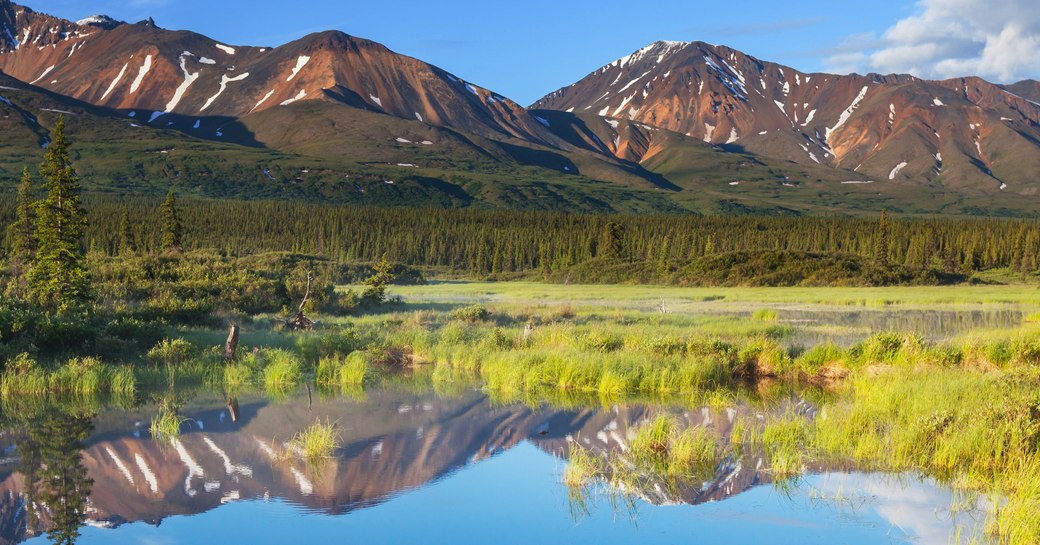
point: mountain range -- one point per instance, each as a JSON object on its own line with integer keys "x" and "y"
{"x": 673, "y": 127}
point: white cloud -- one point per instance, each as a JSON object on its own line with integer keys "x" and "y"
{"x": 995, "y": 39}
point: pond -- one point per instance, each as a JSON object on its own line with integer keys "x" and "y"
{"x": 415, "y": 467}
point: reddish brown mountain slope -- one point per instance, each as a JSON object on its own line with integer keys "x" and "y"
{"x": 964, "y": 133}
{"x": 142, "y": 67}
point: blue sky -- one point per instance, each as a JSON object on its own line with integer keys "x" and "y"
{"x": 527, "y": 49}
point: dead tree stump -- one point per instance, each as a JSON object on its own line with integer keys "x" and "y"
{"x": 231, "y": 346}
{"x": 300, "y": 321}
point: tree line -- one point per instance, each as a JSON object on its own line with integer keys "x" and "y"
{"x": 482, "y": 242}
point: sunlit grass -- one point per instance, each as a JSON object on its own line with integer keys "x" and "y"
{"x": 166, "y": 424}
{"x": 318, "y": 441}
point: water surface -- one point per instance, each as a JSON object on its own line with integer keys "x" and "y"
{"x": 415, "y": 467}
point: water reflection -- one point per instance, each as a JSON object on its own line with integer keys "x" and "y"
{"x": 56, "y": 486}
{"x": 395, "y": 445}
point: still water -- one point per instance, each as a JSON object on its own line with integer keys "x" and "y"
{"x": 419, "y": 468}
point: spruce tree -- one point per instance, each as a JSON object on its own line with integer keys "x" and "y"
{"x": 881, "y": 241}
{"x": 127, "y": 245}
{"x": 23, "y": 231}
{"x": 58, "y": 279}
{"x": 611, "y": 245}
{"x": 709, "y": 246}
{"x": 375, "y": 292}
{"x": 172, "y": 230}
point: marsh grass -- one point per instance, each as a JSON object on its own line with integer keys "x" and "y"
{"x": 283, "y": 370}
{"x": 351, "y": 372}
{"x": 583, "y": 467}
{"x": 318, "y": 441}
{"x": 766, "y": 315}
{"x": 166, "y": 424}
{"x": 77, "y": 377}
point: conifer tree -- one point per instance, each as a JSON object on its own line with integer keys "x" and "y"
{"x": 172, "y": 229}
{"x": 127, "y": 245}
{"x": 881, "y": 241}
{"x": 23, "y": 231}
{"x": 611, "y": 245}
{"x": 377, "y": 283}
{"x": 58, "y": 279}
{"x": 709, "y": 246}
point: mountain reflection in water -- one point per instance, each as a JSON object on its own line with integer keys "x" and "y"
{"x": 392, "y": 442}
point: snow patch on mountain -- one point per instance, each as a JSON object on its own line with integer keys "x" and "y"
{"x": 848, "y": 112}
{"x": 663, "y": 49}
{"x": 299, "y": 96}
{"x": 300, "y": 63}
{"x": 809, "y": 118}
{"x": 895, "y": 171}
{"x": 43, "y": 75}
{"x": 115, "y": 82}
{"x": 189, "y": 78}
{"x": 141, "y": 74}
{"x": 224, "y": 81}
{"x": 225, "y": 49}
{"x": 262, "y": 100}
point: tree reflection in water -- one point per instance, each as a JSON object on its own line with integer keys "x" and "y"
{"x": 56, "y": 480}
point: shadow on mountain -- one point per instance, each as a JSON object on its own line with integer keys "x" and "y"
{"x": 539, "y": 158}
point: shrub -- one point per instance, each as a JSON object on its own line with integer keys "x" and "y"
{"x": 473, "y": 313}
{"x": 171, "y": 352}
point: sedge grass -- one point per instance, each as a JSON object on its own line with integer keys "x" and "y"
{"x": 318, "y": 441}
{"x": 166, "y": 424}
{"x": 583, "y": 466}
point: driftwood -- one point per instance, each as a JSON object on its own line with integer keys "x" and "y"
{"x": 231, "y": 346}
{"x": 300, "y": 321}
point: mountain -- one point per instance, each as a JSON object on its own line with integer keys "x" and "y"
{"x": 143, "y": 67}
{"x": 674, "y": 127}
{"x": 1028, "y": 89}
{"x": 964, "y": 135}
{"x": 329, "y": 153}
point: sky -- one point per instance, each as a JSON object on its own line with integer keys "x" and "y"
{"x": 527, "y": 49}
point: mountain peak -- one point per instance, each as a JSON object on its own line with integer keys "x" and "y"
{"x": 659, "y": 49}
{"x": 149, "y": 22}
{"x": 101, "y": 21}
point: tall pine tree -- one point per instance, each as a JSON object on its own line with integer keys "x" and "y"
{"x": 172, "y": 230}
{"x": 23, "y": 231}
{"x": 127, "y": 244}
{"x": 881, "y": 241}
{"x": 58, "y": 279}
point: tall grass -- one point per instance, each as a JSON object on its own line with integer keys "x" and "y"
{"x": 283, "y": 370}
{"x": 166, "y": 424}
{"x": 354, "y": 370}
{"x": 319, "y": 440}
{"x": 78, "y": 376}
{"x": 583, "y": 466}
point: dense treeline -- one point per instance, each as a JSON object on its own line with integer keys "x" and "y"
{"x": 477, "y": 242}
